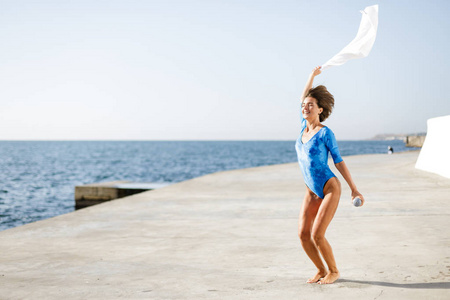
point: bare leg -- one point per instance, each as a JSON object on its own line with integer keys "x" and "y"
{"x": 308, "y": 213}
{"x": 324, "y": 216}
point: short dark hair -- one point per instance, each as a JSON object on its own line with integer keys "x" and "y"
{"x": 324, "y": 99}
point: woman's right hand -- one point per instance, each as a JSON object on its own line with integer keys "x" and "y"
{"x": 317, "y": 70}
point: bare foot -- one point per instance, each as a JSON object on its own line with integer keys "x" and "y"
{"x": 316, "y": 278}
{"x": 329, "y": 278}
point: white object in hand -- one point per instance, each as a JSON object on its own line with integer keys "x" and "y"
{"x": 361, "y": 45}
{"x": 357, "y": 201}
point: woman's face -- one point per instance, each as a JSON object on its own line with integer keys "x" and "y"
{"x": 310, "y": 109}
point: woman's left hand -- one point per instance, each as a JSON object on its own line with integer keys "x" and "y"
{"x": 358, "y": 194}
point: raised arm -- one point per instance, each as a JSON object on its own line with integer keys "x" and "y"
{"x": 342, "y": 168}
{"x": 309, "y": 83}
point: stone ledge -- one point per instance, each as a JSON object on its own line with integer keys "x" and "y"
{"x": 96, "y": 193}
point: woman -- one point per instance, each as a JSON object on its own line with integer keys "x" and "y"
{"x": 323, "y": 189}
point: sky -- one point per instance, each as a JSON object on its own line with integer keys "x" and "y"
{"x": 215, "y": 69}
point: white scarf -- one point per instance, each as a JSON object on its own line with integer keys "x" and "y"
{"x": 362, "y": 43}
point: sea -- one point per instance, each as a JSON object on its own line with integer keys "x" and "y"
{"x": 38, "y": 178}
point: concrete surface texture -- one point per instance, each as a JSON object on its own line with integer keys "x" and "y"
{"x": 233, "y": 235}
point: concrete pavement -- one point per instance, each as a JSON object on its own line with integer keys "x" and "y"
{"x": 233, "y": 235}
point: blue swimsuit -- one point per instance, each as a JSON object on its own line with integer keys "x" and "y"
{"x": 313, "y": 158}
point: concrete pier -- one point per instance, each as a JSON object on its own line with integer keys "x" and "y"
{"x": 233, "y": 235}
{"x": 415, "y": 140}
{"x": 96, "y": 193}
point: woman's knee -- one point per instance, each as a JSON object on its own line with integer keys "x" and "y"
{"x": 304, "y": 235}
{"x": 318, "y": 237}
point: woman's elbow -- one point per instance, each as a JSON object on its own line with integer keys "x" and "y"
{"x": 340, "y": 164}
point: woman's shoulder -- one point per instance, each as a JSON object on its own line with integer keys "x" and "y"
{"x": 326, "y": 128}
{"x": 327, "y": 131}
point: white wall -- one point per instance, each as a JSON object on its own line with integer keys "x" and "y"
{"x": 435, "y": 154}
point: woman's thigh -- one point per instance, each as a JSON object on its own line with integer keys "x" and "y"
{"x": 328, "y": 207}
{"x": 308, "y": 212}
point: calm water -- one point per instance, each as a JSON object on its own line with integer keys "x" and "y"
{"x": 37, "y": 178}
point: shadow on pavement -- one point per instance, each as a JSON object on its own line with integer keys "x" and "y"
{"x": 424, "y": 285}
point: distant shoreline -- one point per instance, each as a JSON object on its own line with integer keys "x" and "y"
{"x": 391, "y": 137}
